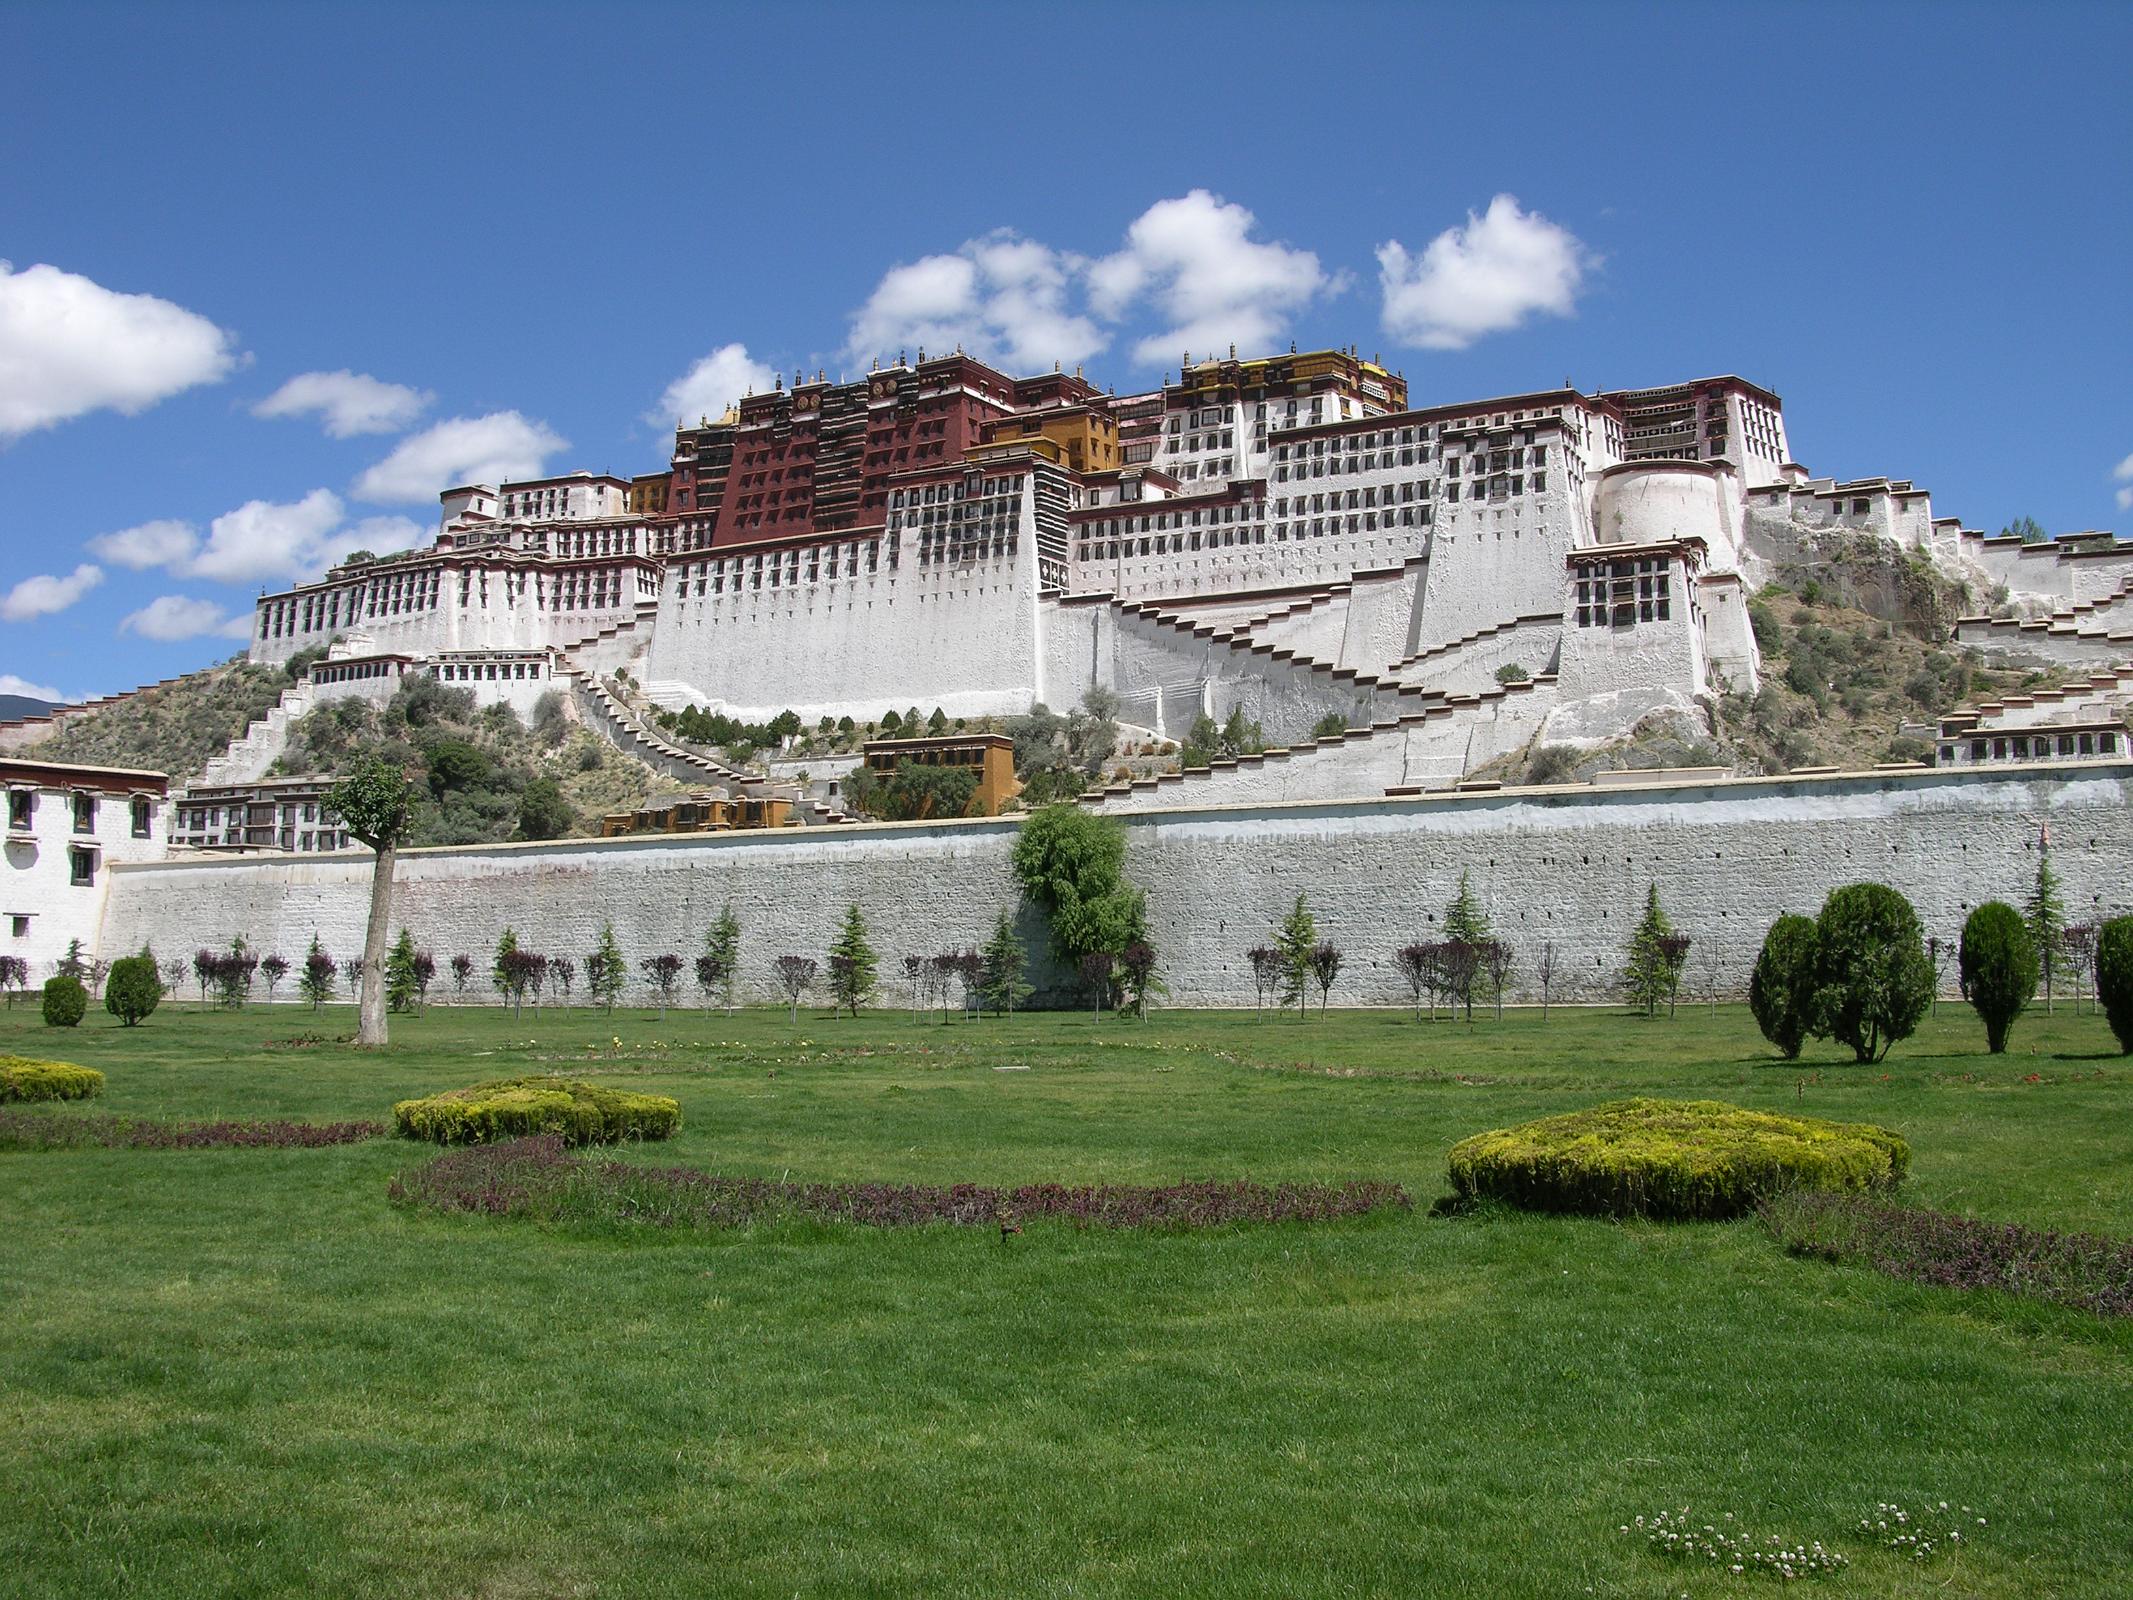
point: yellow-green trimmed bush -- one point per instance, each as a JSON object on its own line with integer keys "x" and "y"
{"x": 512, "y": 1108}
{"x": 23, "y": 1079}
{"x": 1672, "y": 1158}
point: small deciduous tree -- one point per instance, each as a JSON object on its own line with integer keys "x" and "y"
{"x": 1096, "y": 969}
{"x": 1498, "y": 957}
{"x": 1459, "y": 970}
{"x": 796, "y": 975}
{"x": 661, "y": 972}
{"x": 315, "y": 979}
{"x": 424, "y": 969}
{"x": 205, "y": 963}
{"x": 1325, "y": 963}
{"x": 1005, "y": 961}
{"x": 2077, "y": 955}
{"x": 563, "y": 972}
{"x": 516, "y": 973}
{"x": 1414, "y": 963}
{"x": 606, "y": 973}
{"x": 1781, "y": 990}
{"x": 273, "y": 969}
{"x": 373, "y": 803}
{"x": 1999, "y": 968}
{"x": 852, "y": 964}
{"x": 1545, "y": 968}
{"x": 498, "y": 973}
{"x": 1266, "y": 973}
{"x": 233, "y": 974}
{"x": 1873, "y": 981}
{"x": 1295, "y": 939}
{"x": 710, "y": 977}
{"x": 916, "y": 971}
{"x": 15, "y": 977}
{"x": 1652, "y": 970}
{"x": 462, "y": 972}
{"x": 1138, "y": 969}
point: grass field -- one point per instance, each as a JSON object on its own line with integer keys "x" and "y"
{"x": 241, "y": 1372}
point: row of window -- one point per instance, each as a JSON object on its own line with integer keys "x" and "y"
{"x": 1619, "y": 594}
{"x": 22, "y": 812}
{"x": 2036, "y": 747}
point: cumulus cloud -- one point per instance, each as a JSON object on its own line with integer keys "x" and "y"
{"x": 69, "y": 346}
{"x": 490, "y": 449}
{"x": 714, "y": 383}
{"x": 1194, "y": 259}
{"x": 10, "y": 684}
{"x": 1002, "y": 298}
{"x": 169, "y": 618}
{"x": 45, "y": 595}
{"x": 163, "y": 543}
{"x": 266, "y": 539}
{"x": 1488, "y": 276}
{"x": 2124, "y": 475}
{"x": 347, "y": 403}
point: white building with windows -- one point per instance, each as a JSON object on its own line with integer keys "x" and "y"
{"x": 66, "y": 827}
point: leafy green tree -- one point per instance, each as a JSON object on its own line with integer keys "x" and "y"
{"x": 852, "y": 964}
{"x": 605, "y": 971}
{"x": 2028, "y": 529}
{"x": 1138, "y": 972}
{"x": 315, "y": 980}
{"x": 1999, "y": 967}
{"x": 660, "y": 971}
{"x": 1656, "y": 952}
{"x": 1781, "y": 990}
{"x": 543, "y": 813}
{"x": 400, "y": 986}
{"x": 74, "y": 963}
{"x": 937, "y": 724}
{"x": 914, "y": 790}
{"x": 1005, "y": 962}
{"x": 133, "y": 989}
{"x": 2045, "y": 913}
{"x": 1466, "y": 923}
{"x": 1072, "y": 864}
{"x": 66, "y": 1001}
{"x": 2114, "y": 978}
{"x": 505, "y": 947}
{"x": 722, "y": 943}
{"x": 1873, "y": 979}
{"x": 1294, "y": 942}
{"x": 372, "y": 801}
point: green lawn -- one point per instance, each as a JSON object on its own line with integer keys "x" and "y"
{"x": 242, "y": 1372}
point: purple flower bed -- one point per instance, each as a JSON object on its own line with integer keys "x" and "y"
{"x": 1935, "y": 1247}
{"x": 538, "y": 1178}
{"x": 33, "y": 1130}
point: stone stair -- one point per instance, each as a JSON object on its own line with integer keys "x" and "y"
{"x": 620, "y": 725}
{"x": 2099, "y": 631}
{"x": 249, "y": 756}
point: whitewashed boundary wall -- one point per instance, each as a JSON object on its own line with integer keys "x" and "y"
{"x": 1568, "y": 864}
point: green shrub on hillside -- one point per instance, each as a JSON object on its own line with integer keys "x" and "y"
{"x": 66, "y": 1002}
{"x": 1671, "y": 1158}
{"x": 23, "y": 1079}
{"x": 510, "y": 1108}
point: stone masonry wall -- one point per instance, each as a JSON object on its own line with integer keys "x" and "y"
{"x": 1567, "y": 864}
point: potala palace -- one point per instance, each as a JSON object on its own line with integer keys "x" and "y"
{"x": 1283, "y": 534}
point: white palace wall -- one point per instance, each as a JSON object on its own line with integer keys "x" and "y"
{"x": 1567, "y": 864}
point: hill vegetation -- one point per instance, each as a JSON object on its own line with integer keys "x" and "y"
{"x": 483, "y": 776}
{"x": 175, "y": 727}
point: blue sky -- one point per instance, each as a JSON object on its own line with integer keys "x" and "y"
{"x": 540, "y": 231}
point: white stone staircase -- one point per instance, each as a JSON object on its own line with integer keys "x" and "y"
{"x": 2083, "y": 632}
{"x": 250, "y": 755}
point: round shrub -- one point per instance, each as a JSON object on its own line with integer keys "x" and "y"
{"x": 1999, "y": 966}
{"x": 1873, "y": 978}
{"x": 23, "y": 1079}
{"x": 132, "y": 989}
{"x": 2114, "y": 978}
{"x": 1781, "y": 991}
{"x": 511, "y": 1108}
{"x": 1672, "y": 1158}
{"x": 66, "y": 1002}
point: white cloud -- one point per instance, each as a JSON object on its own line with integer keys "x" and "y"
{"x": 163, "y": 543}
{"x": 714, "y": 383}
{"x": 2124, "y": 475}
{"x": 44, "y": 595}
{"x": 171, "y": 617}
{"x": 348, "y": 403}
{"x": 1002, "y": 298}
{"x": 69, "y": 346}
{"x": 264, "y": 539}
{"x": 1195, "y": 259}
{"x": 490, "y": 449}
{"x": 10, "y": 684}
{"x": 379, "y": 535}
{"x": 1489, "y": 276}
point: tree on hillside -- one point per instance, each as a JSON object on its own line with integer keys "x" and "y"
{"x": 372, "y": 803}
{"x": 1294, "y": 940}
{"x": 1005, "y": 962}
{"x": 2045, "y": 912}
{"x": 852, "y": 964}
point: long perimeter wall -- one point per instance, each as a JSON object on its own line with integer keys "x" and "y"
{"x": 1567, "y": 865}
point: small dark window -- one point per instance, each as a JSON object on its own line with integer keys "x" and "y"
{"x": 19, "y": 926}
{"x": 21, "y": 806}
{"x": 83, "y": 867}
{"x": 143, "y": 814}
{"x": 85, "y": 813}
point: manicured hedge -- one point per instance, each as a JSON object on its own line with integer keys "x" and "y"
{"x": 73, "y": 1130}
{"x": 512, "y": 1108}
{"x": 1672, "y": 1158}
{"x": 65, "y": 1003}
{"x": 23, "y": 1079}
